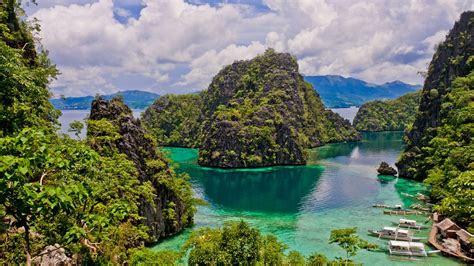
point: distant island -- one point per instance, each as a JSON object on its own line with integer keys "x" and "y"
{"x": 340, "y": 92}
{"x": 335, "y": 91}
{"x": 135, "y": 99}
{"x": 388, "y": 115}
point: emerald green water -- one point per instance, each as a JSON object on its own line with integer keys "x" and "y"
{"x": 302, "y": 204}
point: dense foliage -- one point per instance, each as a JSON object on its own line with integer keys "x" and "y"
{"x": 62, "y": 192}
{"x": 112, "y": 128}
{"x": 389, "y": 115}
{"x": 452, "y": 59}
{"x": 450, "y": 154}
{"x": 340, "y": 92}
{"x": 174, "y": 120}
{"x": 24, "y": 74}
{"x": 439, "y": 144}
{"x": 236, "y": 243}
{"x": 261, "y": 112}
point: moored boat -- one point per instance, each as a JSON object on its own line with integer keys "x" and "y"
{"x": 410, "y": 224}
{"x": 405, "y": 248}
{"x": 403, "y": 212}
{"x": 394, "y": 233}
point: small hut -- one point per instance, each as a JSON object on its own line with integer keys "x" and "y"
{"x": 466, "y": 240}
{"x": 448, "y": 228}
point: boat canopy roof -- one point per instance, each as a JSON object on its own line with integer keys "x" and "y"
{"x": 407, "y": 244}
{"x": 403, "y": 231}
{"x": 395, "y": 243}
{"x": 394, "y": 229}
{"x": 406, "y": 221}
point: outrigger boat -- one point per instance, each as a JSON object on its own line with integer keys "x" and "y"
{"x": 403, "y": 212}
{"x": 395, "y": 234}
{"x": 405, "y": 248}
{"x": 410, "y": 224}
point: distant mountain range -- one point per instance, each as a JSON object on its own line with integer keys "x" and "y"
{"x": 135, "y": 99}
{"x": 338, "y": 91}
{"x": 335, "y": 91}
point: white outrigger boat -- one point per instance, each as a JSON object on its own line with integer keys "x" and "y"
{"x": 410, "y": 224}
{"x": 405, "y": 248}
{"x": 411, "y": 249}
{"x": 395, "y": 234}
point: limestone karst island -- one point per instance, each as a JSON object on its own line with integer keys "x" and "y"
{"x": 236, "y": 132}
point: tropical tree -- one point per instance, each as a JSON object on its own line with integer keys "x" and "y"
{"x": 76, "y": 127}
{"x": 348, "y": 240}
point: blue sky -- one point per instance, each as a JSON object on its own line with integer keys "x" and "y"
{"x": 177, "y": 46}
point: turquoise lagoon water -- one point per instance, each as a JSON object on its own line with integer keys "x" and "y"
{"x": 302, "y": 204}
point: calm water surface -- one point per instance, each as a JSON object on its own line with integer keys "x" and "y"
{"x": 302, "y": 204}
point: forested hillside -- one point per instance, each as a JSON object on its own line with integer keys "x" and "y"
{"x": 439, "y": 146}
{"x": 389, "y": 115}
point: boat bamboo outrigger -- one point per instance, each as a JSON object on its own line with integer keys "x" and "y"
{"x": 395, "y": 234}
{"x": 410, "y": 224}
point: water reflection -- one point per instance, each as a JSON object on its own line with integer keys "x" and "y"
{"x": 336, "y": 176}
{"x": 275, "y": 190}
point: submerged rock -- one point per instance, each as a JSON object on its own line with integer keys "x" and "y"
{"x": 386, "y": 169}
{"x": 171, "y": 210}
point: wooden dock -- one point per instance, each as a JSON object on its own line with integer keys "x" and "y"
{"x": 432, "y": 240}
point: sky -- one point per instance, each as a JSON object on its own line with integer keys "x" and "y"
{"x": 177, "y": 46}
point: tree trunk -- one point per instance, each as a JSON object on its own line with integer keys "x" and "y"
{"x": 27, "y": 245}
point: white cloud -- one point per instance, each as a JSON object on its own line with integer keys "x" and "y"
{"x": 206, "y": 66}
{"x": 174, "y": 46}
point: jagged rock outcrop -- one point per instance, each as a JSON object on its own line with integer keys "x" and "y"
{"x": 171, "y": 210}
{"x": 386, "y": 169}
{"x": 261, "y": 112}
{"x": 389, "y": 115}
{"x": 451, "y": 60}
{"x": 174, "y": 120}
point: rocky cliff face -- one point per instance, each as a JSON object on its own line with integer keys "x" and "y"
{"x": 451, "y": 60}
{"x": 261, "y": 112}
{"x": 171, "y": 209}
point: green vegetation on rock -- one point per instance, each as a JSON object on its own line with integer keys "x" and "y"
{"x": 452, "y": 59}
{"x": 439, "y": 146}
{"x": 95, "y": 201}
{"x": 255, "y": 113}
{"x": 389, "y": 115}
{"x": 261, "y": 112}
{"x": 174, "y": 120}
{"x": 450, "y": 154}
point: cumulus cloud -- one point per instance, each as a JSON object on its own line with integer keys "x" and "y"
{"x": 178, "y": 46}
